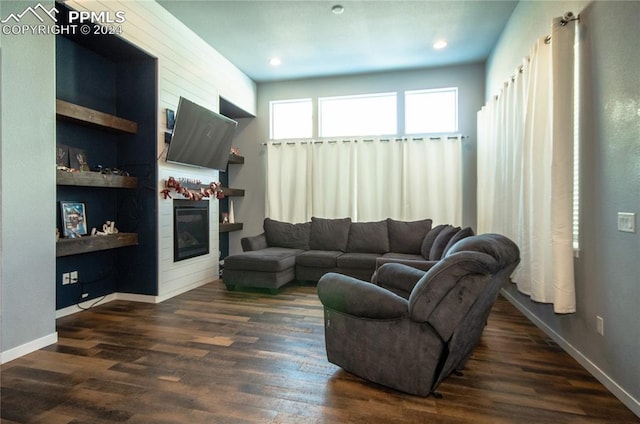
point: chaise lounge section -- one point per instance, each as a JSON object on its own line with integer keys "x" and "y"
{"x": 285, "y": 252}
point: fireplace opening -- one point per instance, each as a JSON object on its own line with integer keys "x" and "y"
{"x": 190, "y": 229}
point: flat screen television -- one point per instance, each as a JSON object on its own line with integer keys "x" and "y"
{"x": 201, "y": 137}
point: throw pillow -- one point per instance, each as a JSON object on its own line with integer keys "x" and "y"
{"x": 441, "y": 242}
{"x": 464, "y": 233}
{"x": 329, "y": 234}
{"x": 425, "y": 249}
{"x": 407, "y": 236}
{"x": 368, "y": 237}
{"x": 284, "y": 234}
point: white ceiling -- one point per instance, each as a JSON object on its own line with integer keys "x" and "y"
{"x": 369, "y": 36}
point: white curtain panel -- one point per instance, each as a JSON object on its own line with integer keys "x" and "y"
{"x": 525, "y": 169}
{"x": 367, "y": 180}
{"x": 378, "y": 182}
{"x": 332, "y": 169}
{"x": 433, "y": 188}
{"x": 288, "y": 181}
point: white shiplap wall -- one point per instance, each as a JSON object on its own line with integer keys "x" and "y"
{"x": 188, "y": 67}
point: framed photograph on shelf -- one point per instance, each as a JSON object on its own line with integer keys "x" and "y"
{"x": 62, "y": 155}
{"x": 74, "y": 219}
{"x": 78, "y": 159}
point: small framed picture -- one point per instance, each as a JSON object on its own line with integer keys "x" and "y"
{"x": 78, "y": 159}
{"x": 74, "y": 219}
{"x": 62, "y": 155}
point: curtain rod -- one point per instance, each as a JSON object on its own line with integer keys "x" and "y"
{"x": 366, "y": 140}
{"x": 566, "y": 18}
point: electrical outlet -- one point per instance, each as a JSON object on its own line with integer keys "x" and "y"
{"x": 73, "y": 277}
{"x": 627, "y": 222}
{"x": 600, "y": 325}
{"x": 66, "y": 278}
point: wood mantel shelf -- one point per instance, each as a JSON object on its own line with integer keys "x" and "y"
{"x": 87, "y": 116}
{"x": 232, "y": 192}
{"x": 227, "y": 227}
{"x": 94, "y": 179}
{"x": 235, "y": 159}
{"x": 86, "y": 244}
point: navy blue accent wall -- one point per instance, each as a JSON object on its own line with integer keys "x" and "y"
{"x": 87, "y": 74}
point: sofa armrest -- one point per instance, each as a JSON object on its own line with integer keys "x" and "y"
{"x": 359, "y": 298}
{"x": 254, "y": 242}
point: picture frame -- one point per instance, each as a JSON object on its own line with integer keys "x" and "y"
{"x": 78, "y": 159}
{"x": 74, "y": 219}
{"x": 62, "y": 155}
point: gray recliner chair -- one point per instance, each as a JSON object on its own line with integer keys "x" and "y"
{"x": 414, "y": 328}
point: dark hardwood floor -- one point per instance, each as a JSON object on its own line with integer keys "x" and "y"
{"x": 213, "y": 356}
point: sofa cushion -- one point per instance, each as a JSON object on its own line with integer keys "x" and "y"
{"x": 329, "y": 234}
{"x": 284, "y": 234}
{"x": 403, "y": 256}
{"x": 463, "y": 233}
{"x": 319, "y": 258}
{"x": 425, "y": 249}
{"x": 441, "y": 241}
{"x": 368, "y": 237}
{"x": 407, "y": 236}
{"x": 356, "y": 260}
{"x": 271, "y": 259}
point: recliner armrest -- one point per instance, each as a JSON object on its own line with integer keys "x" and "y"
{"x": 254, "y": 243}
{"x": 399, "y": 278}
{"x": 360, "y": 298}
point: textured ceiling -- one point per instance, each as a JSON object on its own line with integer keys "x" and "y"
{"x": 369, "y": 36}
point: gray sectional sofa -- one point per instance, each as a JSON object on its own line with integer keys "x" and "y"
{"x": 285, "y": 252}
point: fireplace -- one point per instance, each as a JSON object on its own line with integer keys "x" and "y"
{"x": 190, "y": 229}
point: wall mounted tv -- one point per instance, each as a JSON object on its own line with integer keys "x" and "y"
{"x": 201, "y": 137}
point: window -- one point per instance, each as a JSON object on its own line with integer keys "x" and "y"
{"x": 371, "y": 114}
{"x": 431, "y": 111}
{"x": 291, "y": 119}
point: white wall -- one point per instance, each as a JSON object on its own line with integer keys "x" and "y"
{"x": 608, "y": 270}
{"x": 187, "y": 67}
{"x": 27, "y": 189}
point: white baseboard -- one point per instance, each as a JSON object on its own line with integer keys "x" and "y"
{"x": 626, "y": 398}
{"x": 25, "y": 349}
{"x": 143, "y": 298}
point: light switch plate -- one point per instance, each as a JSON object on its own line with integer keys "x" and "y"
{"x": 627, "y": 222}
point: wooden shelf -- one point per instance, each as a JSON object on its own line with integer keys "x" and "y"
{"x": 91, "y": 117}
{"x": 94, "y": 179}
{"x": 232, "y": 192}
{"x": 225, "y": 228}
{"x": 235, "y": 159}
{"x": 86, "y": 244}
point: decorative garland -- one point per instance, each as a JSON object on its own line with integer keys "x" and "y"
{"x": 214, "y": 189}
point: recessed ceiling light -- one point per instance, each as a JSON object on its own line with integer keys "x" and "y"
{"x": 337, "y": 9}
{"x": 440, "y": 44}
{"x": 275, "y": 61}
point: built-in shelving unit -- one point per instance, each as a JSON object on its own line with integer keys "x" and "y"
{"x": 67, "y": 247}
{"x": 235, "y": 159}
{"x": 232, "y": 192}
{"x": 107, "y": 110}
{"x": 95, "y": 179}
{"x": 228, "y": 227}
{"x": 84, "y": 115}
